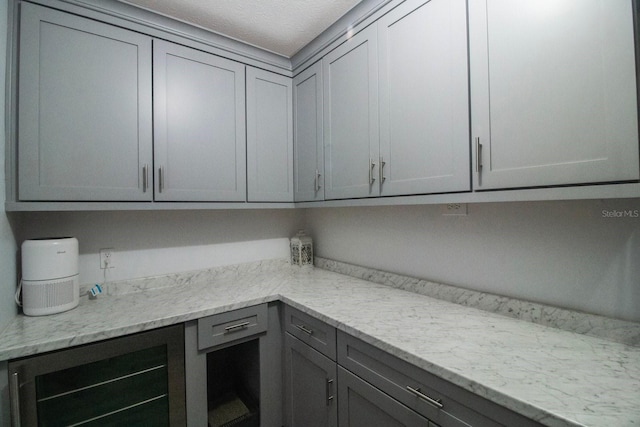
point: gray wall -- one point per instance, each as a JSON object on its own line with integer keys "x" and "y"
{"x": 564, "y": 253}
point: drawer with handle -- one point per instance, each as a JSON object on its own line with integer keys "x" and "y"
{"x": 311, "y": 331}
{"x": 443, "y": 403}
{"x": 234, "y": 325}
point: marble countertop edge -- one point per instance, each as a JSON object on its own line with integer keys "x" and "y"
{"x": 26, "y": 349}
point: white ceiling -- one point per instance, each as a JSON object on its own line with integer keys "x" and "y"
{"x": 280, "y": 26}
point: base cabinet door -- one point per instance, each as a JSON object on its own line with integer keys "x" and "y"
{"x": 362, "y": 405}
{"x": 85, "y": 125}
{"x": 310, "y": 386}
{"x": 553, "y": 92}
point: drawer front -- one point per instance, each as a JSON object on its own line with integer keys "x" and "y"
{"x": 231, "y": 326}
{"x": 363, "y": 405}
{"x": 450, "y": 405}
{"x": 312, "y": 331}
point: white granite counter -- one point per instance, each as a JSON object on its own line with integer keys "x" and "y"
{"x": 557, "y": 377}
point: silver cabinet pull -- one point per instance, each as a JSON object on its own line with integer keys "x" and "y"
{"x": 382, "y": 163}
{"x": 372, "y": 165}
{"x": 304, "y": 329}
{"x": 478, "y": 155}
{"x": 235, "y": 328}
{"x": 329, "y": 393}
{"x": 14, "y": 391}
{"x": 145, "y": 178}
{"x": 435, "y": 402}
{"x": 160, "y": 179}
{"x": 316, "y": 183}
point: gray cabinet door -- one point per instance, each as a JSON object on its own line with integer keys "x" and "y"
{"x": 308, "y": 161}
{"x": 199, "y": 125}
{"x": 310, "y": 386}
{"x": 351, "y": 141}
{"x": 269, "y": 137}
{"x": 85, "y": 130}
{"x": 363, "y": 405}
{"x": 553, "y": 92}
{"x": 424, "y": 98}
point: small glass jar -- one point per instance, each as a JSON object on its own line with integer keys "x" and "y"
{"x": 301, "y": 249}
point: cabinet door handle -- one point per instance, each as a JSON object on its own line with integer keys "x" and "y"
{"x": 478, "y": 155}
{"x": 160, "y": 179}
{"x": 435, "y": 402}
{"x": 316, "y": 183}
{"x": 304, "y": 329}
{"x": 14, "y": 389}
{"x": 329, "y": 393}
{"x": 235, "y": 328}
{"x": 145, "y": 178}
{"x": 382, "y": 163}
{"x": 372, "y": 165}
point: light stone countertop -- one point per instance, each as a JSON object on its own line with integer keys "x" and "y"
{"x": 556, "y": 377}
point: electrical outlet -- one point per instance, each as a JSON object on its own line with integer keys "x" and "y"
{"x": 458, "y": 209}
{"x": 106, "y": 258}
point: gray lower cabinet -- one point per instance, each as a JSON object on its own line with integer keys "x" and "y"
{"x": 133, "y": 380}
{"x": 440, "y": 401}
{"x": 85, "y": 120}
{"x": 269, "y": 137}
{"x": 199, "y": 125}
{"x": 310, "y": 386}
{"x": 233, "y": 368}
{"x": 363, "y": 405}
{"x": 309, "y": 370}
{"x": 332, "y": 378}
{"x": 308, "y": 162}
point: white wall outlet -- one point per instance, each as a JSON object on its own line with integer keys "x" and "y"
{"x": 458, "y": 209}
{"x": 106, "y": 258}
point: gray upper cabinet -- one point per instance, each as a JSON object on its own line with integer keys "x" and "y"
{"x": 351, "y": 141}
{"x": 269, "y": 137}
{"x": 85, "y": 126}
{"x": 308, "y": 150}
{"x": 199, "y": 125}
{"x": 424, "y": 98}
{"x": 553, "y": 92}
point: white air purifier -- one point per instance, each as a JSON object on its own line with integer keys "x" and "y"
{"x": 49, "y": 275}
